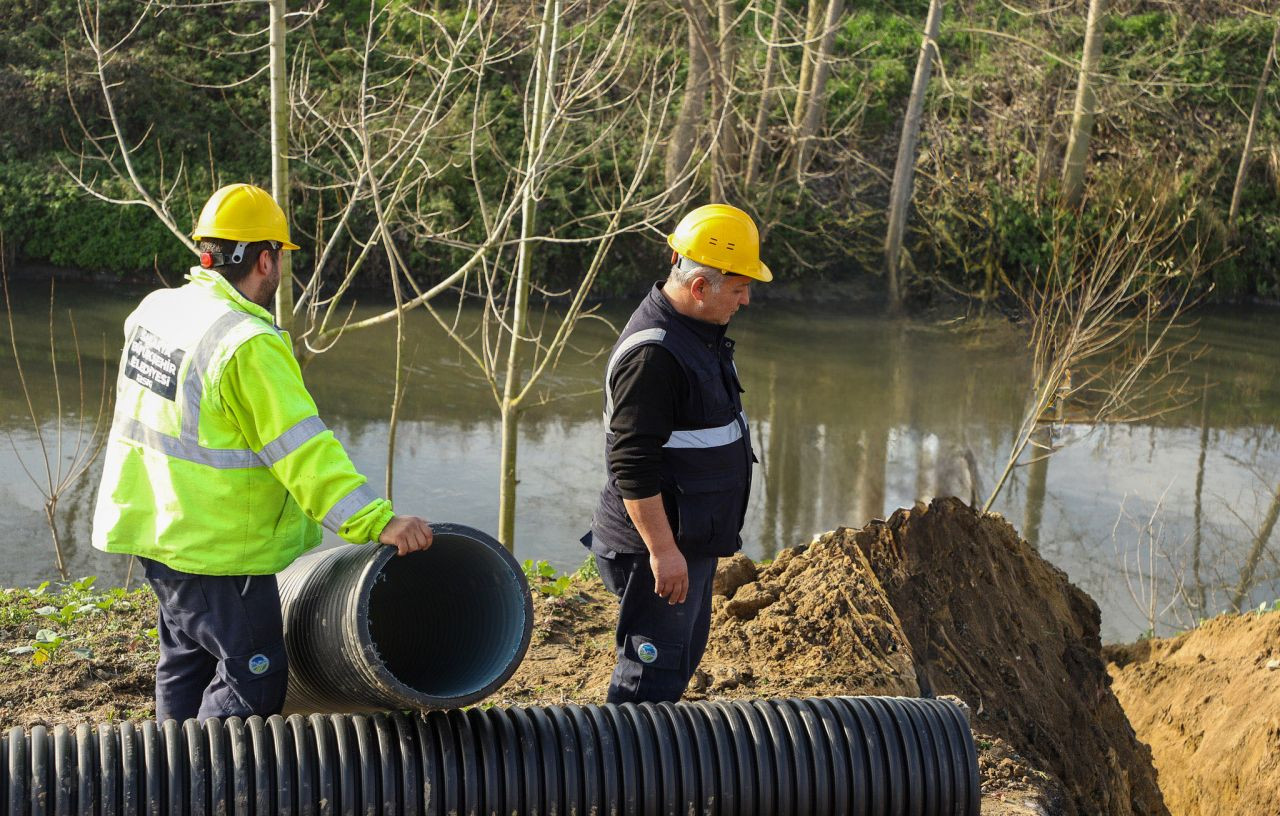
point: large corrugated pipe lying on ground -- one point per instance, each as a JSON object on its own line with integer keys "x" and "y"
{"x": 368, "y": 630}
{"x": 839, "y": 755}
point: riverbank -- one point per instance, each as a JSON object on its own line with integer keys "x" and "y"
{"x": 933, "y": 601}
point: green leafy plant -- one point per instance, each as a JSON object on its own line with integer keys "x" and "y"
{"x": 66, "y": 615}
{"x": 47, "y": 644}
{"x": 542, "y": 577}
{"x": 588, "y": 571}
{"x": 556, "y": 588}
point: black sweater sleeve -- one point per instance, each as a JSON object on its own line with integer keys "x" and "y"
{"x": 647, "y": 386}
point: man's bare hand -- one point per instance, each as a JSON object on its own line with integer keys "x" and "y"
{"x": 670, "y": 575}
{"x": 407, "y": 534}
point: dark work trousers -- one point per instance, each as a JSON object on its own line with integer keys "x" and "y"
{"x": 659, "y": 644}
{"x": 221, "y": 645}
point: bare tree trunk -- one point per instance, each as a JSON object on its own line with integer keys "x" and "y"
{"x": 51, "y": 517}
{"x": 806, "y": 61}
{"x": 766, "y": 99}
{"x": 397, "y": 391}
{"x": 724, "y": 158}
{"x": 1249, "y": 134}
{"x": 1256, "y": 551}
{"x": 684, "y": 135}
{"x": 1086, "y": 107}
{"x": 816, "y": 104}
{"x": 544, "y": 83}
{"x": 904, "y": 168}
{"x": 278, "y": 68}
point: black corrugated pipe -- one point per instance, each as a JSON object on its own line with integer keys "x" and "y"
{"x": 812, "y": 757}
{"x": 368, "y": 630}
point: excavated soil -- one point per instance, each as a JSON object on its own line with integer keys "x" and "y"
{"x": 993, "y": 623}
{"x": 1208, "y": 703}
{"x": 936, "y": 601}
{"x": 939, "y": 601}
{"x": 813, "y": 622}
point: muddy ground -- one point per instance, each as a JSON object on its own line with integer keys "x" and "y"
{"x": 934, "y": 601}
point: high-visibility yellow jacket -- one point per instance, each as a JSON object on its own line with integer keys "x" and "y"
{"x": 217, "y": 462}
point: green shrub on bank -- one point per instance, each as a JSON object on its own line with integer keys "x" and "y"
{"x": 1178, "y": 86}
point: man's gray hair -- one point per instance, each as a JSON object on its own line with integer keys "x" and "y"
{"x": 684, "y": 271}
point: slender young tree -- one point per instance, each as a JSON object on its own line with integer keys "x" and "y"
{"x": 542, "y": 90}
{"x": 816, "y": 97}
{"x": 904, "y": 168}
{"x": 812, "y": 33}
{"x": 767, "y": 93}
{"x": 587, "y": 102}
{"x": 724, "y": 138}
{"x": 280, "y": 108}
{"x": 1102, "y": 320}
{"x": 1086, "y": 106}
{"x": 1247, "y": 152}
{"x": 77, "y": 436}
{"x": 683, "y": 144}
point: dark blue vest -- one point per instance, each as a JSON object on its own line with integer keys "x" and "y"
{"x": 706, "y": 464}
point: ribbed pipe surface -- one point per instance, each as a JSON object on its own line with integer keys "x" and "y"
{"x": 810, "y": 757}
{"x": 366, "y": 629}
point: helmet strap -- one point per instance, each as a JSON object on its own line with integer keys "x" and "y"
{"x": 238, "y": 255}
{"x": 689, "y": 265}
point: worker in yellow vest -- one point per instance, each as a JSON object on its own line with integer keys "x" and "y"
{"x": 218, "y": 471}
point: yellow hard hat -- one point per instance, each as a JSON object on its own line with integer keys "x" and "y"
{"x": 242, "y": 212}
{"x": 723, "y": 237}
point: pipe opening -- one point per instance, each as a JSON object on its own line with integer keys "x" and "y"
{"x": 450, "y": 621}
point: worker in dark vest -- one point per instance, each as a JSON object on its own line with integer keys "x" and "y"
{"x": 677, "y": 453}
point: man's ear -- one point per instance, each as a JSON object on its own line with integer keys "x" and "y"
{"x": 698, "y": 288}
{"x": 264, "y": 262}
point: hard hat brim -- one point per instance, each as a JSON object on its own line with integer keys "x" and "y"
{"x": 228, "y": 237}
{"x": 761, "y": 273}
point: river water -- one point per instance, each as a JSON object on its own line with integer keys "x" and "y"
{"x": 853, "y": 416}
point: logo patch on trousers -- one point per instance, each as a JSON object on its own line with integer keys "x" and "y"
{"x": 647, "y": 652}
{"x": 259, "y": 663}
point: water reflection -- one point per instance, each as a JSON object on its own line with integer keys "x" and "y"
{"x": 853, "y": 416}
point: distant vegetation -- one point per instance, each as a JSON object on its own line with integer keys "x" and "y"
{"x": 1176, "y": 86}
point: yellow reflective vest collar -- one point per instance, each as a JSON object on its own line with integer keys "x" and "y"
{"x": 208, "y": 278}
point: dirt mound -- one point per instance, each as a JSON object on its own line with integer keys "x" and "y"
{"x": 935, "y": 601}
{"x": 1208, "y": 704}
{"x": 993, "y": 623}
{"x": 815, "y": 621}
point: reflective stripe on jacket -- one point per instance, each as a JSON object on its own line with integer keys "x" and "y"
{"x": 706, "y": 462}
{"x": 217, "y": 462}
